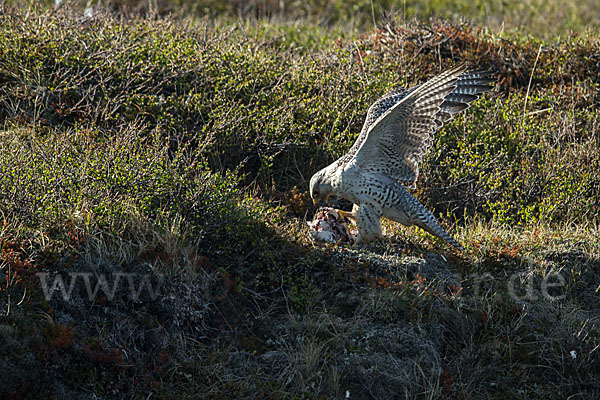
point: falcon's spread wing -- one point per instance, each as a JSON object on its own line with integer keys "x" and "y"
{"x": 399, "y": 127}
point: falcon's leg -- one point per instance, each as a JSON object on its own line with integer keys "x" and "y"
{"x": 403, "y": 207}
{"x": 368, "y": 223}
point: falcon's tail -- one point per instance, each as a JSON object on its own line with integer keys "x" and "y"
{"x": 431, "y": 225}
{"x": 409, "y": 211}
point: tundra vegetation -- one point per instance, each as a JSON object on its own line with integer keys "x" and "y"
{"x": 154, "y": 163}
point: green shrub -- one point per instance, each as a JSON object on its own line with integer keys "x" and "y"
{"x": 51, "y": 175}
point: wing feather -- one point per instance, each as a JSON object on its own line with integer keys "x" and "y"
{"x": 399, "y": 127}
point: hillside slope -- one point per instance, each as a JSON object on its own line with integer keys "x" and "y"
{"x": 160, "y": 174}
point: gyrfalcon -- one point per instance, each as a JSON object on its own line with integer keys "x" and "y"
{"x": 396, "y": 135}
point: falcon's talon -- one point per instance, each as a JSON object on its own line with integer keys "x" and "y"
{"x": 351, "y": 216}
{"x": 395, "y": 137}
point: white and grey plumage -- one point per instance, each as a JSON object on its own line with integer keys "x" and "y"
{"x": 395, "y": 137}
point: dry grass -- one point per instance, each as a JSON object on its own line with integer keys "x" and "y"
{"x": 542, "y": 18}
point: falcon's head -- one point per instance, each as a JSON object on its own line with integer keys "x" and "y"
{"x": 320, "y": 188}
